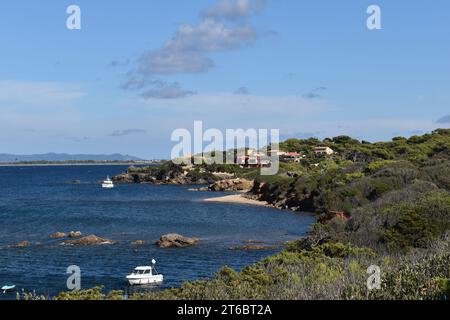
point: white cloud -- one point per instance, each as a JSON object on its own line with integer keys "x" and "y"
{"x": 166, "y": 91}
{"x": 186, "y": 51}
{"x": 189, "y": 50}
{"x": 234, "y": 9}
{"x": 34, "y": 93}
{"x": 211, "y": 36}
{"x": 165, "y": 62}
{"x": 158, "y": 89}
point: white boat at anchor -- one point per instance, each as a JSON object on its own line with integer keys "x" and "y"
{"x": 107, "y": 184}
{"x": 145, "y": 275}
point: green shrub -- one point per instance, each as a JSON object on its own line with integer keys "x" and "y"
{"x": 89, "y": 294}
{"x": 412, "y": 230}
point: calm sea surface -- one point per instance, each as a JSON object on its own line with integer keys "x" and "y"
{"x": 38, "y": 201}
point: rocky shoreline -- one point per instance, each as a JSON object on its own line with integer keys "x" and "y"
{"x": 228, "y": 185}
{"x": 252, "y": 192}
{"x": 168, "y": 173}
{"x": 145, "y": 178}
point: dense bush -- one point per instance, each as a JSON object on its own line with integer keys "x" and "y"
{"x": 199, "y": 175}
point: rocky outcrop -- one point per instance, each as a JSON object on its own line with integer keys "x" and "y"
{"x": 174, "y": 240}
{"x": 75, "y": 234}
{"x": 228, "y": 185}
{"x": 167, "y": 173}
{"x": 126, "y": 178}
{"x": 73, "y": 182}
{"x": 231, "y": 185}
{"x": 149, "y": 178}
{"x": 91, "y": 240}
{"x": 139, "y": 243}
{"x": 58, "y": 235}
{"x": 251, "y": 241}
{"x": 23, "y": 244}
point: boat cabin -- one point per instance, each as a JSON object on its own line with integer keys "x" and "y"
{"x": 108, "y": 183}
{"x": 143, "y": 271}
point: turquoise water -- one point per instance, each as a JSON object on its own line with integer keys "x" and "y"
{"x": 37, "y": 201}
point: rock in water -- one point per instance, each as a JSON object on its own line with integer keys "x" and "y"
{"x": 125, "y": 178}
{"x": 75, "y": 234}
{"x": 91, "y": 240}
{"x": 23, "y": 244}
{"x": 58, "y": 235}
{"x": 139, "y": 243}
{"x": 73, "y": 182}
{"x": 174, "y": 240}
{"x": 253, "y": 247}
{"x": 252, "y": 241}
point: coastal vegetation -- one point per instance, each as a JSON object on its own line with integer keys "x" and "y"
{"x": 385, "y": 204}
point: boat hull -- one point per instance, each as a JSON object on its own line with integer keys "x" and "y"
{"x": 6, "y": 289}
{"x": 107, "y": 186}
{"x": 137, "y": 281}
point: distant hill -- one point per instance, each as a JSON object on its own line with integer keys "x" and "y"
{"x": 56, "y": 157}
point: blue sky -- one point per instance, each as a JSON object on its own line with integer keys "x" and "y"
{"x": 137, "y": 70}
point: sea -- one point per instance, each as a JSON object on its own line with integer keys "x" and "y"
{"x": 37, "y": 201}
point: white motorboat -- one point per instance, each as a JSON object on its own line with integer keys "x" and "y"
{"x": 145, "y": 275}
{"x": 108, "y": 184}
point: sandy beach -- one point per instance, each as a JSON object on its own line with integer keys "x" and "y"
{"x": 238, "y": 198}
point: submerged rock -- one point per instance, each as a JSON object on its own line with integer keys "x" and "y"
{"x": 139, "y": 243}
{"x": 58, "y": 235}
{"x": 73, "y": 182}
{"x": 91, "y": 240}
{"x": 174, "y": 240}
{"x": 251, "y": 241}
{"x": 254, "y": 247}
{"x": 23, "y": 244}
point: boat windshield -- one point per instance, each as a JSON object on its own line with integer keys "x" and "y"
{"x": 147, "y": 271}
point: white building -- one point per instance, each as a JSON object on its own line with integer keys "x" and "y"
{"x": 254, "y": 162}
{"x": 323, "y": 151}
